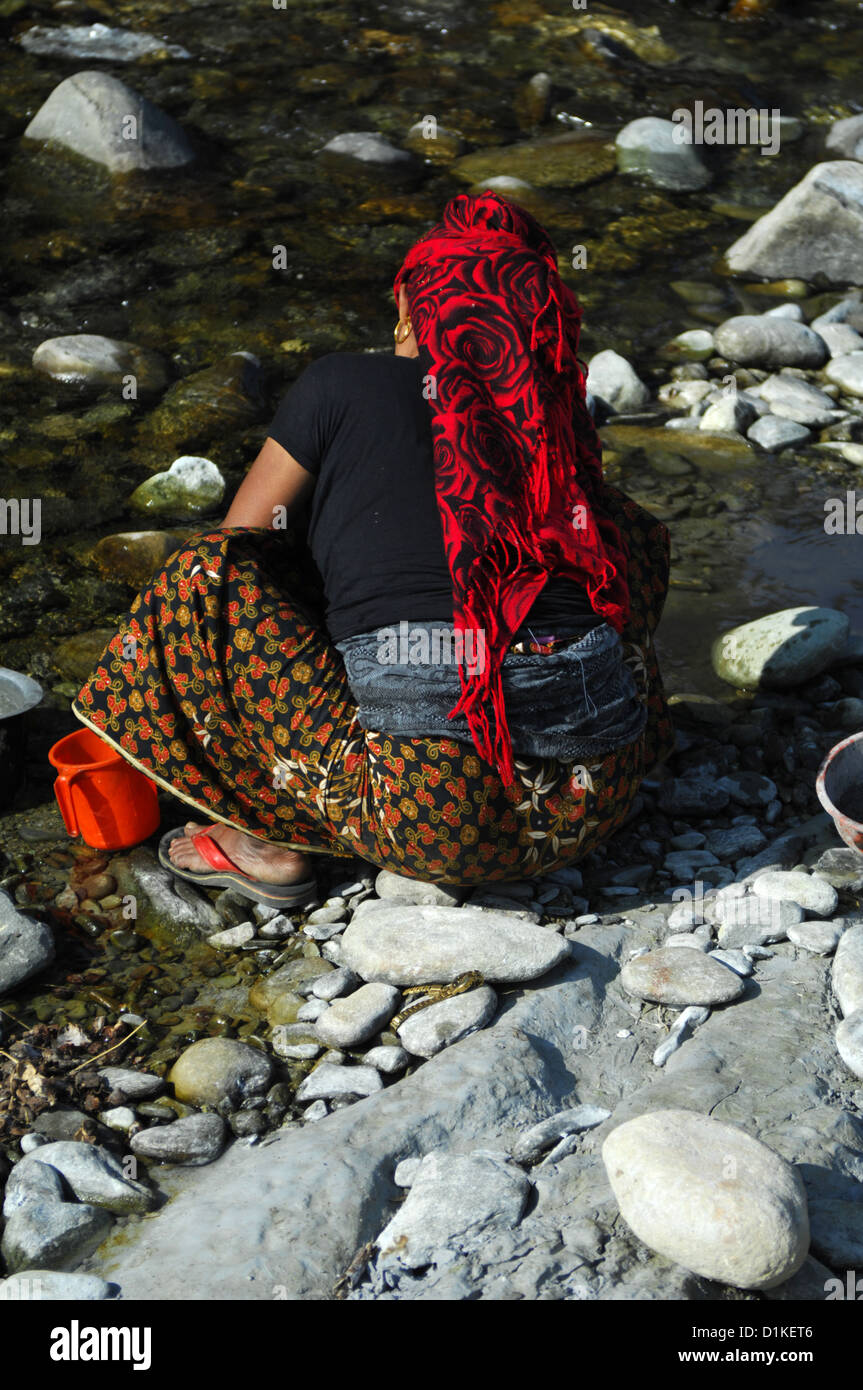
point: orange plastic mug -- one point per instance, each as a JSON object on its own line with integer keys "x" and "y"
{"x": 100, "y": 795}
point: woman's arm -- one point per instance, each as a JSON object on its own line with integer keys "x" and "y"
{"x": 275, "y": 479}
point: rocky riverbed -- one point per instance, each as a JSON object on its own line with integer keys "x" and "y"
{"x": 709, "y": 962}
{"x": 199, "y": 1098}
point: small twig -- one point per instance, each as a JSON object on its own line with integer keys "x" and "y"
{"x": 90, "y": 1060}
{"x": 9, "y": 1055}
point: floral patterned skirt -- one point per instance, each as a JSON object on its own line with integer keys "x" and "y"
{"x": 222, "y": 685}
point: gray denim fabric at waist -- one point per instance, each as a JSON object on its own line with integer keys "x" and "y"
{"x": 572, "y": 704}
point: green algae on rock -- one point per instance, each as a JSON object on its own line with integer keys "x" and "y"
{"x": 134, "y": 555}
{"x": 558, "y": 161}
{"x": 192, "y": 486}
{"x": 220, "y": 1069}
{"x": 206, "y": 405}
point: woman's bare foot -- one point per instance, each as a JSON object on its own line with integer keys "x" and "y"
{"x": 267, "y": 863}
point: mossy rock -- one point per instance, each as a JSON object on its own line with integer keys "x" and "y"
{"x": 559, "y": 161}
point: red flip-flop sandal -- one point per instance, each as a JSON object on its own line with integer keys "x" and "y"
{"x": 226, "y": 874}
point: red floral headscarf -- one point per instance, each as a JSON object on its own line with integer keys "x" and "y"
{"x": 517, "y": 458}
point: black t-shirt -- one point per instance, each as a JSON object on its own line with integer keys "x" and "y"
{"x": 360, "y": 423}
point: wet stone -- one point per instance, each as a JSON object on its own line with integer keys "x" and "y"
{"x": 299, "y": 1041}
{"x": 91, "y": 359}
{"x": 847, "y": 371}
{"x": 312, "y": 1010}
{"x": 268, "y": 990}
{"x": 86, "y": 113}
{"x": 190, "y": 487}
{"x": 336, "y": 983}
{"x": 369, "y": 146}
{"x": 558, "y": 161}
{"x": 26, "y": 946}
{"x": 797, "y": 400}
{"x": 220, "y": 1069}
{"x": 96, "y": 41}
{"x": 773, "y": 434}
{"x": 647, "y": 146}
{"x": 119, "y": 1117}
{"x": 233, "y": 937}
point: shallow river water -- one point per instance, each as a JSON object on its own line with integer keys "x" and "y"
{"x": 181, "y": 263}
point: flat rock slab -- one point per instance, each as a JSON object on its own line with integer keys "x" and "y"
{"x": 837, "y": 1232}
{"x": 291, "y": 1212}
{"x": 453, "y": 1197}
{"x": 134, "y": 1085}
{"x": 426, "y": 945}
{"x": 263, "y": 1218}
{"x": 680, "y": 977}
{"x": 710, "y": 1197}
{"x": 333, "y": 1081}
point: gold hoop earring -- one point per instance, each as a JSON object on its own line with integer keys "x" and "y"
{"x": 406, "y": 323}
